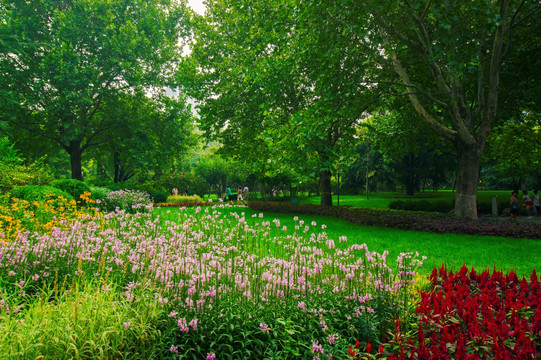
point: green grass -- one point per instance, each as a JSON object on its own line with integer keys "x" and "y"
{"x": 480, "y": 252}
{"x": 381, "y": 200}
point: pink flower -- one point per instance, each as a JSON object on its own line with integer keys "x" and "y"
{"x": 127, "y": 324}
{"x": 317, "y": 347}
{"x": 264, "y": 327}
{"x": 174, "y": 349}
{"x": 183, "y": 325}
{"x": 211, "y": 356}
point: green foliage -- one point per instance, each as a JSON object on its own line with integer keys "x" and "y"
{"x": 93, "y": 319}
{"x": 15, "y": 173}
{"x": 38, "y": 193}
{"x": 158, "y": 196}
{"x": 73, "y": 187}
{"x": 516, "y": 149}
{"x": 182, "y": 199}
{"x": 67, "y": 59}
{"x": 422, "y": 205}
{"x": 98, "y": 192}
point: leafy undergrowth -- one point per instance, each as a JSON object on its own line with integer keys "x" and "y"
{"x": 405, "y": 220}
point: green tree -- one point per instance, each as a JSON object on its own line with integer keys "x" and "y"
{"x": 411, "y": 152}
{"x": 147, "y": 136}
{"x": 61, "y": 60}
{"x": 516, "y": 149}
{"x": 455, "y": 92}
{"x": 272, "y": 93}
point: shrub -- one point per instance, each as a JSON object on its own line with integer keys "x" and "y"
{"x": 422, "y": 205}
{"x": 179, "y": 199}
{"x": 38, "y": 193}
{"x": 407, "y": 220}
{"x": 158, "y": 196}
{"x": 99, "y": 193}
{"x": 73, "y": 187}
{"x": 17, "y": 175}
{"x": 129, "y": 200}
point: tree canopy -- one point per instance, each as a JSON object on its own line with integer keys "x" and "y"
{"x": 62, "y": 60}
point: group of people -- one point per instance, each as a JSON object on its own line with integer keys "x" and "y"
{"x": 530, "y": 202}
{"x": 174, "y": 192}
{"x": 242, "y": 194}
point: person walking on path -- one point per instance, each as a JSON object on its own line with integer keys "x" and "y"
{"x": 229, "y": 194}
{"x": 187, "y": 190}
{"x": 535, "y": 208}
{"x": 246, "y": 192}
{"x": 528, "y": 202}
{"x": 239, "y": 196}
{"x": 513, "y": 202}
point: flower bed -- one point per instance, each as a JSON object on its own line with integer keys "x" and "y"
{"x": 468, "y": 315}
{"x": 405, "y": 220}
{"x": 218, "y": 283}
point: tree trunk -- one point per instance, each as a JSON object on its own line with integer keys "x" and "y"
{"x": 75, "y": 153}
{"x": 409, "y": 161}
{"x": 325, "y": 187}
{"x": 469, "y": 160}
{"x": 116, "y": 164}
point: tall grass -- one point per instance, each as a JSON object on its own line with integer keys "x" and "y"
{"x": 89, "y": 320}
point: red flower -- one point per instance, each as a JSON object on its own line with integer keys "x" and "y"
{"x": 351, "y": 351}
{"x": 357, "y": 343}
{"x": 369, "y": 347}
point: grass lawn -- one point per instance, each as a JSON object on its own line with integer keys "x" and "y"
{"x": 381, "y": 200}
{"x": 480, "y": 252}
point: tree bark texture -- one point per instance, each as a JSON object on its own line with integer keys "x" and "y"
{"x": 75, "y": 152}
{"x": 325, "y": 187}
{"x": 466, "y": 181}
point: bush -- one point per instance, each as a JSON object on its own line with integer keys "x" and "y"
{"x": 407, "y": 220}
{"x": 422, "y": 205}
{"x": 183, "y": 199}
{"x": 38, "y": 193}
{"x": 17, "y": 175}
{"x": 157, "y": 196}
{"x": 99, "y": 193}
{"x": 73, "y": 187}
{"x": 128, "y": 200}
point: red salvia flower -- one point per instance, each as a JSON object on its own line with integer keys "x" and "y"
{"x": 369, "y": 347}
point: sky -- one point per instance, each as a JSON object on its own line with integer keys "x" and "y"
{"x": 197, "y": 6}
